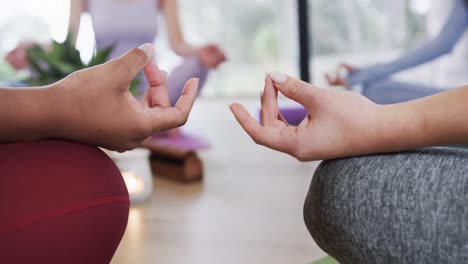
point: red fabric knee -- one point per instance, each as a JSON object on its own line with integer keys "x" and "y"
{"x": 61, "y": 202}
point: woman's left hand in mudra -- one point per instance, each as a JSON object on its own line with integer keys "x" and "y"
{"x": 338, "y": 123}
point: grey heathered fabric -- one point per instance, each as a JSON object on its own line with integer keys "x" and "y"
{"x": 409, "y": 207}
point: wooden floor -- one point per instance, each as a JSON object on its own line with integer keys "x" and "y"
{"x": 247, "y": 210}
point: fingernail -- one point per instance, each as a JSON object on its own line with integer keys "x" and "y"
{"x": 266, "y": 75}
{"x": 278, "y": 77}
{"x": 148, "y": 49}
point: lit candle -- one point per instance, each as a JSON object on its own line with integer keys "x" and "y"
{"x": 135, "y": 183}
{"x": 136, "y": 172}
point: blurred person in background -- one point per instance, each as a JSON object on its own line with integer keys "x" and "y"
{"x": 376, "y": 82}
{"x": 131, "y": 23}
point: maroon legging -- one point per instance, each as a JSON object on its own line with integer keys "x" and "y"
{"x": 60, "y": 202}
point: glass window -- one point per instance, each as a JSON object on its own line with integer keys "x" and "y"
{"x": 27, "y": 20}
{"x": 363, "y": 31}
{"x": 257, "y": 35}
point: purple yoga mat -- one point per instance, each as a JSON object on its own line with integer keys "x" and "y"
{"x": 184, "y": 142}
{"x": 293, "y": 114}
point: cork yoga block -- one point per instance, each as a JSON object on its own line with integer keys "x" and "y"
{"x": 174, "y": 163}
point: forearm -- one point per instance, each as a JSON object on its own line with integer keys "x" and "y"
{"x": 184, "y": 49}
{"x": 444, "y": 43}
{"x": 28, "y": 114}
{"x": 176, "y": 38}
{"x": 76, "y": 9}
{"x": 432, "y": 121}
{"x": 413, "y": 58}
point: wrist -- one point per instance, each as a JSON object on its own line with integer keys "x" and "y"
{"x": 28, "y": 114}
{"x": 401, "y": 127}
{"x": 53, "y": 106}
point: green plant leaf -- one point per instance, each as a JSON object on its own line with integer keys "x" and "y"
{"x": 101, "y": 56}
{"x": 133, "y": 86}
{"x": 60, "y": 61}
{"x": 30, "y": 55}
{"x": 58, "y": 51}
{"x": 72, "y": 55}
{"x": 56, "y": 67}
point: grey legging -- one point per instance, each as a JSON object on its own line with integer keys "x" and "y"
{"x": 389, "y": 91}
{"x": 410, "y": 207}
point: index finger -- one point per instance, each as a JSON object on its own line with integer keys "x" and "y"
{"x": 269, "y": 100}
{"x": 297, "y": 90}
{"x": 176, "y": 116}
{"x": 157, "y": 91}
{"x": 271, "y": 137}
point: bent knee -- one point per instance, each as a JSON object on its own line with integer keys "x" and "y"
{"x": 60, "y": 192}
{"x": 382, "y": 208}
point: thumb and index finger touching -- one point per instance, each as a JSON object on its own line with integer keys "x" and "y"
{"x": 142, "y": 58}
{"x": 296, "y": 90}
{"x": 162, "y": 114}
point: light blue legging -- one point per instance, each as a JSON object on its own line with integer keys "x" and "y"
{"x": 392, "y": 92}
{"x": 376, "y": 81}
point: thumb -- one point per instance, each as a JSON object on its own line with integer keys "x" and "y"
{"x": 297, "y": 90}
{"x": 135, "y": 60}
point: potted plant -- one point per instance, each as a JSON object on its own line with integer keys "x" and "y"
{"x": 60, "y": 60}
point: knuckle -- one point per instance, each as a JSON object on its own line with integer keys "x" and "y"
{"x": 131, "y": 145}
{"x": 120, "y": 150}
{"x": 184, "y": 120}
{"x": 180, "y": 122}
{"x": 300, "y": 158}
{"x": 78, "y": 77}
{"x": 257, "y": 139}
{"x": 295, "y": 89}
{"x": 182, "y": 117}
{"x": 120, "y": 66}
{"x": 127, "y": 146}
{"x": 142, "y": 129}
{"x": 299, "y": 154}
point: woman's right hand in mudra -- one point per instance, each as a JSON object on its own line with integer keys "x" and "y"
{"x": 97, "y": 107}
